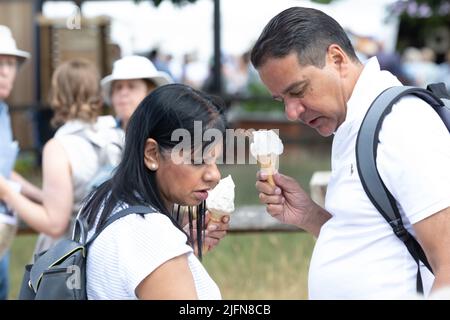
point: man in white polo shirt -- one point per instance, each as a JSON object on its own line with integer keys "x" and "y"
{"x": 306, "y": 60}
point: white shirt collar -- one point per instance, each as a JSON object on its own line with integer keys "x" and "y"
{"x": 371, "y": 82}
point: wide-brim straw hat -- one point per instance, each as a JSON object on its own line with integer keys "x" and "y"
{"x": 8, "y": 45}
{"x": 133, "y": 67}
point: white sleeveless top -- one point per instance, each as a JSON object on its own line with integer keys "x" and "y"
{"x": 81, "y": 153}
{"x": 130, "y": 249}
{"x": 83, "y": 160}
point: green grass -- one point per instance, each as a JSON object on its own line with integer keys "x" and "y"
{"x": 245, "y": 266}
{"x": 261, "y": 266}
{"x": 21, "y": 252}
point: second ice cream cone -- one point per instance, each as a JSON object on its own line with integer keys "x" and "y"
{"x": 215, "y": 216}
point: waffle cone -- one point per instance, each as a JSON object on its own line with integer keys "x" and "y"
{"x": 267, "y": 165}
{"x": 215, "y": 216}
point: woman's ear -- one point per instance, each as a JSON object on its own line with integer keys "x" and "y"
{"x": 151, "y": 154}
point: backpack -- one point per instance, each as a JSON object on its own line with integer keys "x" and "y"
{"x": 60, "y": 272}
{"x": 108, "y": 155}
{"x": 438, "y": 98}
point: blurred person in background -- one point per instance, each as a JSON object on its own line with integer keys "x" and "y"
{"x": 10, "y": 60}
{"x": 392, "y": 62}
{"x": 194, "y": 72}
{"x": 70, "y": 159}
{"x": 445, "y": 70}
{"x": 132, "y": 79}
{"x": 161, "y": 61}
{"x": 420, "y": 67}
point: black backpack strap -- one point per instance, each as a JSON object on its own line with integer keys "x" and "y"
{"x": 366, "y": 154}
{"x": 440, "y": 91}
{"x": 122, "y": 213}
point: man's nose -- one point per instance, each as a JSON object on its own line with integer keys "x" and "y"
{"x": 293, "y": 109}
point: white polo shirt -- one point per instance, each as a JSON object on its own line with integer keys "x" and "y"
{"x": 357, "y": 255}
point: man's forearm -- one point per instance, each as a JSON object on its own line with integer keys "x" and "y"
{"x": 442, "y": 279}
{"x": 316, "y": 219}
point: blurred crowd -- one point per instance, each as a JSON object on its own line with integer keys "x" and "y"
{"x": 237, "y": 72}
{"x": 413, "y": 66}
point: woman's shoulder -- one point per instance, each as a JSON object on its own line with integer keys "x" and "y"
{"x": 151, "y": 233}
{"x": 157, "y": 222}
{"x": 153, "y": 225}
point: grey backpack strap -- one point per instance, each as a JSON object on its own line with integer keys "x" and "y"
{"x": 366, "y": 154}
{"x": 122, "y": 213}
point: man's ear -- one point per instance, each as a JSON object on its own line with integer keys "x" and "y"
{"x": 151, "y": 154}
{"x": 336, "y": 55}
{"x": 338, "y": 59}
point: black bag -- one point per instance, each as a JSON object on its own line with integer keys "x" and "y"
{"x": 438, "y": 98}
{"x": 60, "y": 272}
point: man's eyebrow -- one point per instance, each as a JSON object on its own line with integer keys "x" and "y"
{"x": 294, "y": 85}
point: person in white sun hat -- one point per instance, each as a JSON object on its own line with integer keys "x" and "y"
{"x": 132, "y": 79}
{"x": 10, "y": 59}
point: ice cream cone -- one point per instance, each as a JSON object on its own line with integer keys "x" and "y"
{"x": 215, "y": 216}
{"x": 268, "y": 165}
{"x": 220, "y": 200}
{"x": 205, "y": 248}
{"x": 266, "y": 149}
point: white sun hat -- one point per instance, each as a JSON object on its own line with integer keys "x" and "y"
{"x": 8, "y": 45}
{"x": 134, "y": 67}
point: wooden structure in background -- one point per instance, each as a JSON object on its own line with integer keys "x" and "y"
{"x": 59, "y": 44}
{"x": 50, "y": 42}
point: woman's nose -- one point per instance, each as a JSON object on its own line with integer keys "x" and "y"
{"x": 212, "y": 174}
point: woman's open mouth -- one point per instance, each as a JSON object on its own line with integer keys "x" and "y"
{"x": 201, "y": 194}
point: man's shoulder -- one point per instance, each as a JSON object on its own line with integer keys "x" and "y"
{"x": 411, "y": 112}
{"x": 413, "y": 127}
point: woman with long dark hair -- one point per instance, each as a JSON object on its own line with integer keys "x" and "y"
{"x": 150, "y": 256}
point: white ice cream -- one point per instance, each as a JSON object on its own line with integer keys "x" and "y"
{"x": 220, "y": 200}
{"x": 265, "y": 142}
